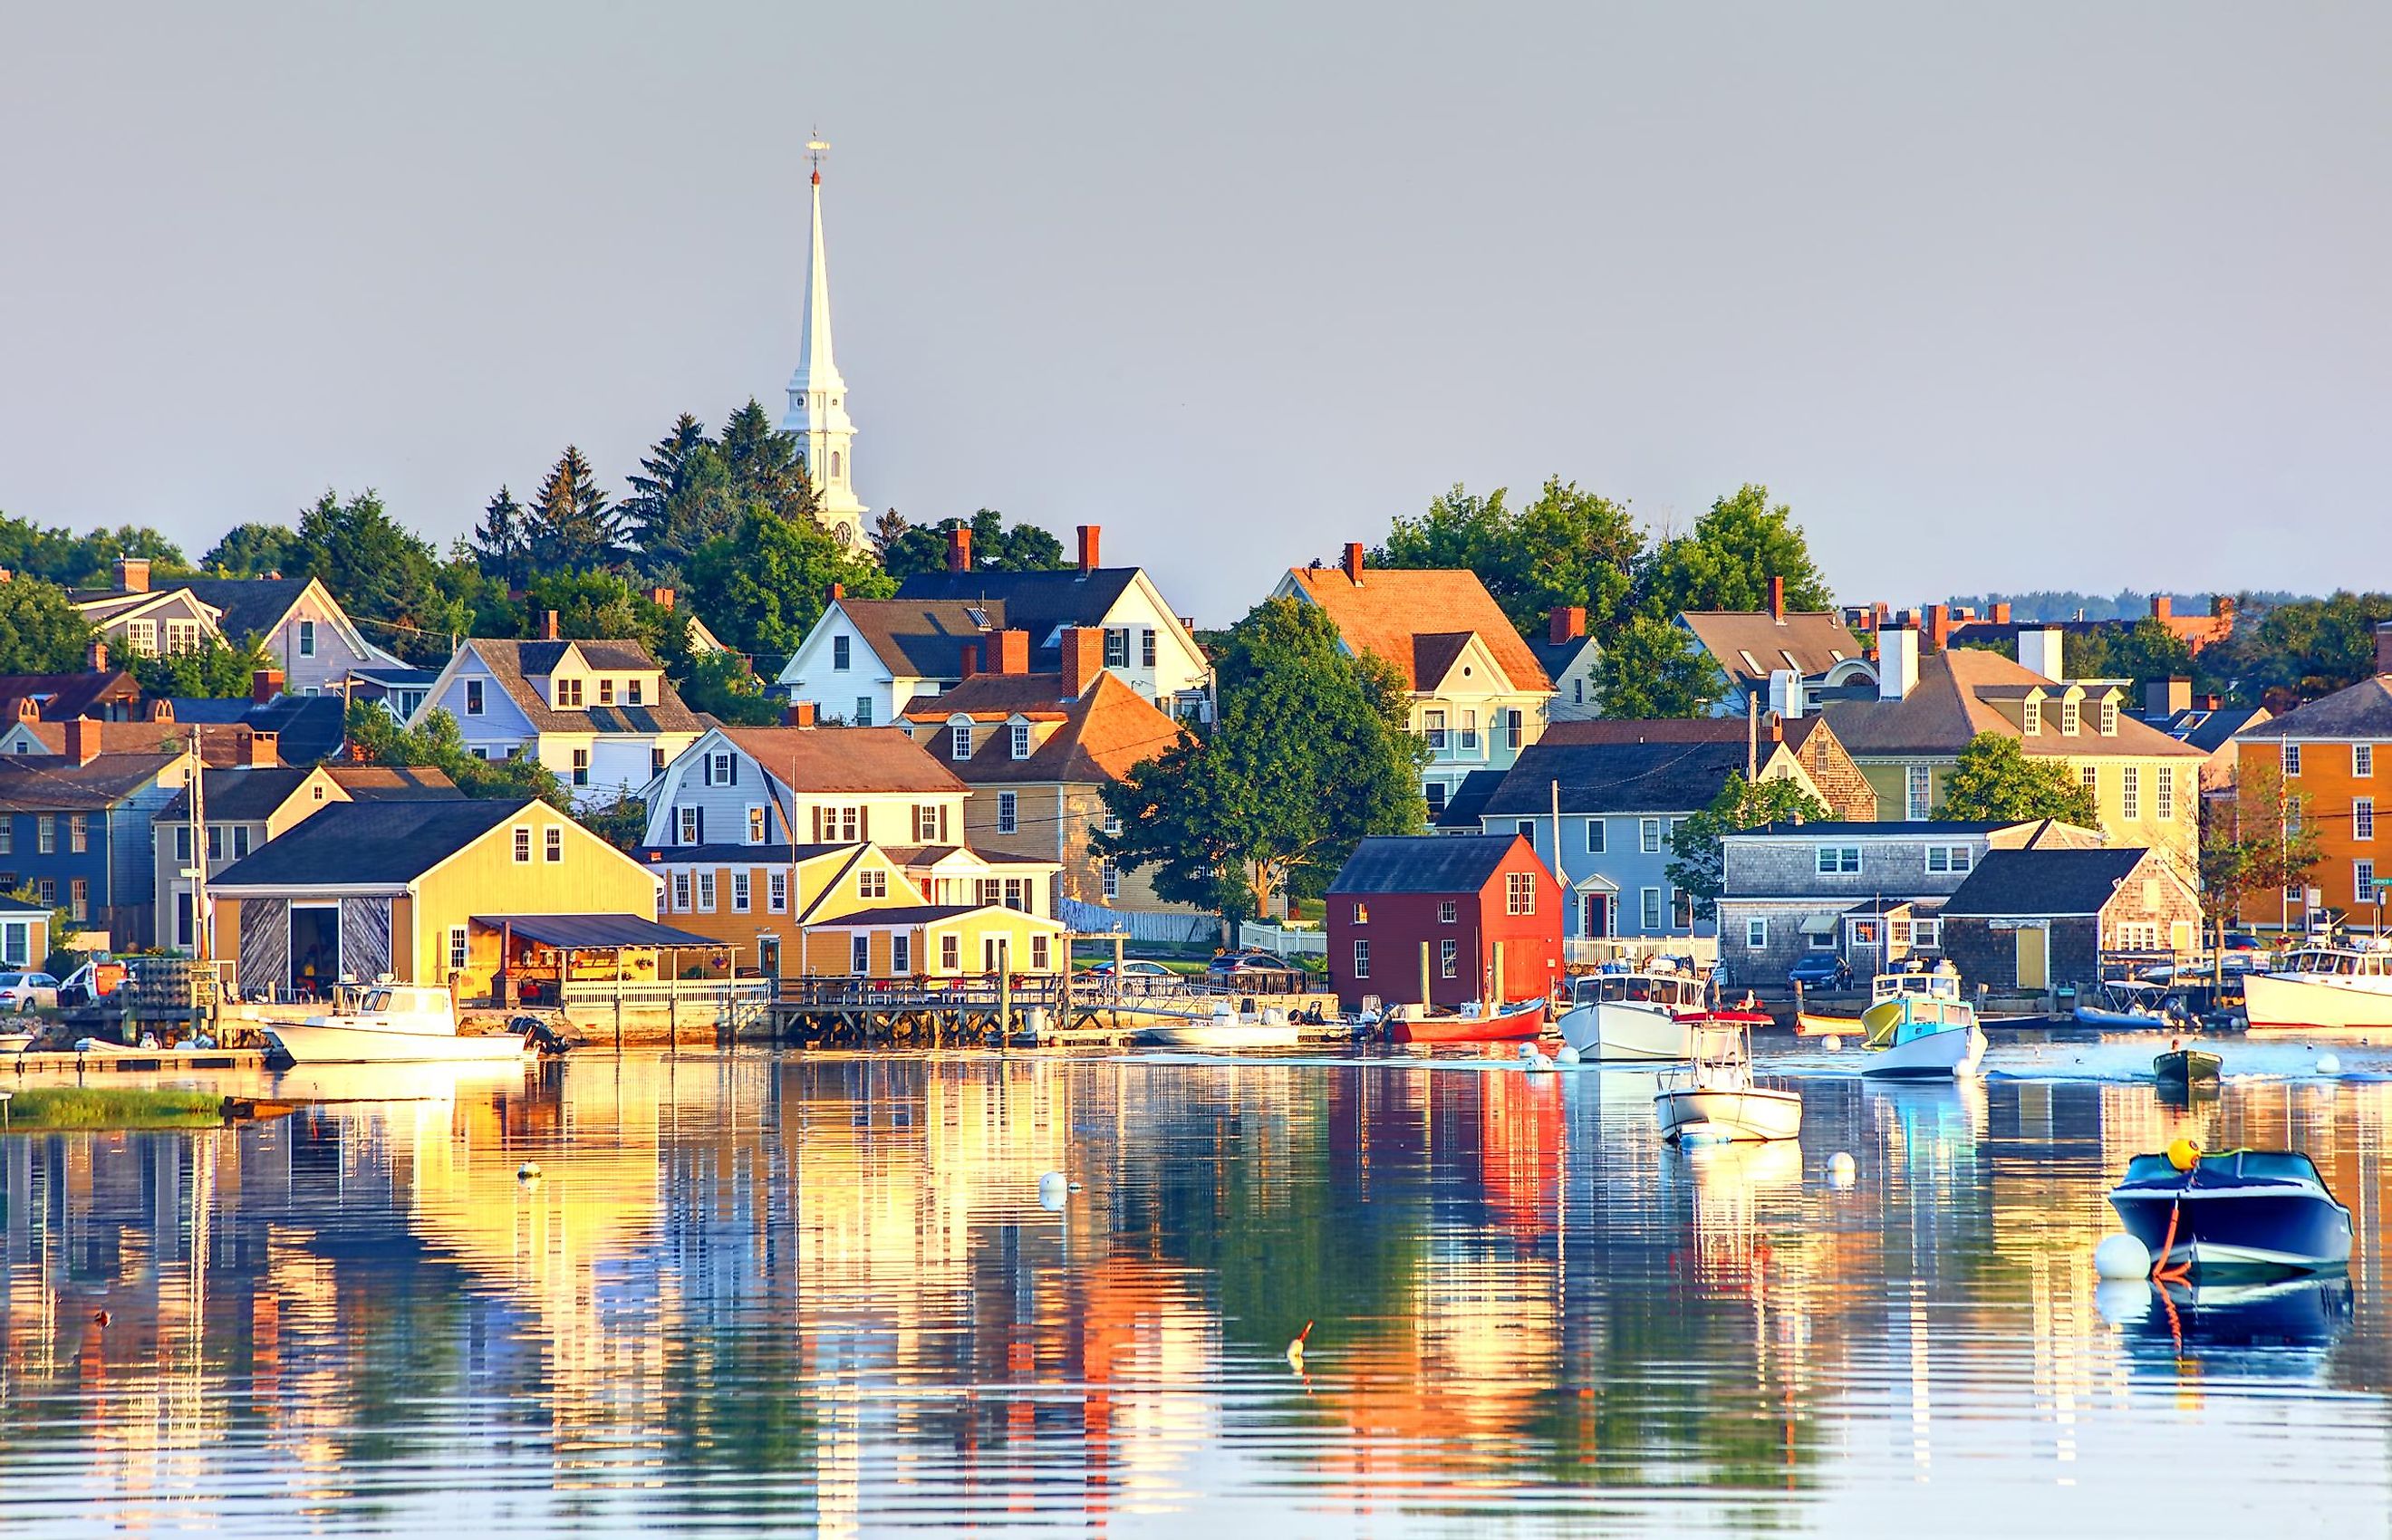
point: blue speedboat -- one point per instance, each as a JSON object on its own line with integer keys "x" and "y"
{"x": 2239, "y": 1212}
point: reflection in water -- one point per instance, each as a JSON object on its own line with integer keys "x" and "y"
{"x": 823, "y": 1292}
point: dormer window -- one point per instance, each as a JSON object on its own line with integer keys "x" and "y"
{"x": 605, "y": 691}
{"x": 721, "y": 769}
{"x": 959, "y": 740}
{"x": 568, "y": 692}
{"x": 631, "y": 690}
{"x": 1020, "y": 740}
{"x": 2109, "y": 716}
{"x": 2071, "y": 717}
{"x": 2031, "y": 721}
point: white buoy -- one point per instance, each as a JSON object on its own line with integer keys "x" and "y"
{"x": 1842, "y": 1170}
{"x": 2122, "y": 1256}
{"x": 527, "y": 1171}
{"x": 1565, "y": 1054}
{"x": 2329, "y": 1065}
{"x": 1528, "y": 1052}
{"x": 1538, "y": 1061}
{"x": 1054, "y": 1190}
{"x": 1832, "y": 1043}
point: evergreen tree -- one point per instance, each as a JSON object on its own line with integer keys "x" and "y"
{"x": 679, "y": 498}
{"x": 765, "y": 466}
{"x": 887, "y": 530}
{"x": 501, "y": 546}
{"x": 387, "y": 579}
{"x": 570, "y": 526}
{"x": 997, "y": 545}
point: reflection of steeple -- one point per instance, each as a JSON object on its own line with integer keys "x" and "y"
{"x": 817, "y": 411}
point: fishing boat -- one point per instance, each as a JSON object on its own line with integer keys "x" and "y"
{"x": 1622, "y": 1016}
{"x": 1811, "y": 1025}
{"x": 2125, "y": 1003}
{"x": 1474, "y": 1023}
{"x": 1222, "y": 1031}
{"x": 2323, "y": 986}
{"x": 392, "y": 1024}
{"x": 2186, "y": 1066}
{"x": 1715, "y": 1097}
{"x": 2239, "y": 1212}
{"x": 1919, "y": 1027}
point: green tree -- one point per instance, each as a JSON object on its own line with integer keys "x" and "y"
{"x": 1726, "y": 561}
{"x": 721, "y": 685}
{"x": 887, "y": 530}
{"x": 763, "y": 465}
{"x": 681, "y": 498}
{"x": 82, "y": 561}
{"x": 253, "y": 550}
{"x": 1653, "y": 669}
{"x": 217, "y": 670}
{"x": 570, "y": 526}
{"x": 2284, "y": 654}
{"x": 1994, "y": 781}
{"x": 1699, "y": 844}
{"x": 996, "y": 546}
{"x": 436, "y": 743}
{"x": 1309, "y": 755}
{"x": 2259, "y": 841}
{"x": 386, "y": 577}
{"x": 501, "y": 543}
{"x": 766, "y": 583}
{"x": 1567, "y": 548}
{"x": 41, "y": 631}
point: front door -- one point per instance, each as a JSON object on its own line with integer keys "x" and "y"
{"x": 1596, "y": 917}
{"x": 1863, "y": 946}
{"x": 315, "y": 949}
{"x": 992, "y": 954}
{"x": 2033, "y": 958}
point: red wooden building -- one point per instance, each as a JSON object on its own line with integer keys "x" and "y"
{"x": 1456, "y": 901}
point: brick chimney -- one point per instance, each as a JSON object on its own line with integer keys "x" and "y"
{"x": 1897, "y": 662}
{"x": 971, "y": 662}
{"x": 661, "y": 598}
{"x": 1354, "y": 561}
{"x": 2002, "y": 612}
{"x": 2163, "y": 698}
{"x": 835, "y": 592}
{"x": 82, "y": 740}
{"x": 798, "y": 714}
{"x": 2163, "y": 607}
{"x": 1008, "y": 651}
{"x": 2384, "y": 646}
{"x": 1938, "y": 626}
{"x": 1777, "y": 600}
{"x": 959, "y": 557}
{"x": 1084, "y": 659}
{"x": 96, "y": 659}
{"x": 264, "y": 685}
{"x": 256, "y": 750}
{"x": 133, "y": 573}
{"x": 1567, "y": 622}
{"x": 549, "y": 627}
{"x": 1089, "y": 533}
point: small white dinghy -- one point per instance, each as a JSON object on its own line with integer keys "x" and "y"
{"x": 1222, "y": 1031}
{"x": 1716, "y": 1097}
{"x": 393, "y": 1024}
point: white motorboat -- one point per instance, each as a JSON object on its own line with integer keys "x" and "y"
{"x": 393, "y": 1024}
{"x": 2339, "y": 986}
{"x": 1919, "y": 1027}
{"x": 1716, "y": 1099}
{"x": 1222, "y": 1031}
{"x": 1633, "y": 1017}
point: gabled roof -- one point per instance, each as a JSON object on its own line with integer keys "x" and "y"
{"x": 250, "y": 606}
{"x": 240, "y": 795}
{"x": 1617, "y": 778}
{"x": 514, "y": 664}
{"x": 1556, "y": 657}
{"x": 42, "y": 782}
{"x": 812, "y": 760}
{"x": 62, "y": 696}
{"x": 924, "y": 637}
{"x": 392, "y": 783}
{"x": 1817, "y": 640}
{"x": 220, "y": 742}
{"x": 2362, "y": 710}
{"x": 1468, "y": 800}
{"x": 1949, "y": 704}
{"x": 1423, "y": 863}
{"x": 1393, "y": 609}
{"x": 371, "y": 844}
{"x": 730, "y": 853}
{"x": 2041, "y": 883}
{"x": 306, "y": 728}
{"x": 1104, "y": 734}
{"x": 1039, "y": 603}
{"x": 2207, "y": 728}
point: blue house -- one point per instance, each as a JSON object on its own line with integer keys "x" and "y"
{"x": 74, "y": 831}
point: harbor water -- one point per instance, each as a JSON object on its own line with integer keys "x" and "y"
{"x": 824, "y": 1294}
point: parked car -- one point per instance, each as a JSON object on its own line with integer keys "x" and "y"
{"x": 1253, "y": 959}
{"x": 2239, "y": 941}
{"x": 1136, "y": 976}
{"x": 1820, "y": 970}
{"x": 25, "y": 991}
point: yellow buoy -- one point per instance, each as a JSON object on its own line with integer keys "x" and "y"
{"x": 2183, "y": 1154}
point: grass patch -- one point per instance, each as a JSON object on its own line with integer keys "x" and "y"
{"x": 89, "y": 1107}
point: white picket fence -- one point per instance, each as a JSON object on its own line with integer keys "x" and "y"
{"x": 1169, "y": 930}
{"x": 1286, "y": 940}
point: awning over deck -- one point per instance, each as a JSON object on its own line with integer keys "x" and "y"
{"x": 593, "y": 932}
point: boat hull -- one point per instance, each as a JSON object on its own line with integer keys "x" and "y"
{"x": 2273, "y": 1000}
{"x": 312, "y": 1044}
{"x": 1515, "y": 1027}
{"x": 2187, "y": 1065}
{"x": 1753, "y": 1114}
{"x": 1945, "y": 1055}
{"x": 2122, "y": 1021}
{"x": 1613, "y": 1032}
{"x": 1220, "y": 1038}
{"x": 1808, "y": 1025}
{"x": 2237, "y": 1230}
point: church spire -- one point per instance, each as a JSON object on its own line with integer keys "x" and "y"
{"x": 817, "y": 411}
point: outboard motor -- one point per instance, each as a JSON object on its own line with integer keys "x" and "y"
{"x": 537, "y": 1030}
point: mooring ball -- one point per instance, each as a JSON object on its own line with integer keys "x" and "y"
{"x": 1054, "y": 1190}
{"x": 1842, "y": 1169}
{"x": 2183, "y": 1154}
{"x": 1565, "y": 1054}
{"x": 1527, "y": 1051}
{"x": 527, "y": 1171}
{"x": 2329, "y": 1065}
{"x": 1832, "y": 1043}
{"x": 2122, "y": 1256}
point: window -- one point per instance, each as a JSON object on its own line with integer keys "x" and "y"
{"x": 864, "y": 711}
{"x": 215, "y": 842}
{"x": 46, "y": 834}
{"x": 901, "y": 954}
{"x": 1362, "y": 912}
{"x": 756, "y": 825}
{"x": 1650, "y": 907}
{"x": 1512, "y": 727}
{"x": 1520, "y": 893}
{"x": 959, "y": 740}
{"x": 777, "y": 891}
{"x": 1449, "y": 958}
{"x": 838, "y": 653}
{"x": 553, "y": 844}
{"x": 1020, "y": 740}
{"x": 581, "y": 767}
{"x": 141, "y": 636}
{"x": 1648, "y": 836}
{"x": 739, "y": 883}
{"x": 689, "y": 825}
{"x": 459, "y": 949}
{"x": 838, "y": 825}
{"x": 182, "y": 636}
{"x": 1435, "y": 792}
{"x": 1040, "y": 959}
{"x": 1598, "y": 835}
{"x": 951, "y": 953}
{"x": 2163, "y": 794}
{"x": 79, "y": 832}
{"x": 568, "y": 692}
{"x": 307, "y": 639}
{"x": 720, "y": 770}
{"x": 2071, "y": 716}
{"x": 1113, "y": 880}
{"x": 1362, "y": 959}
{"x": 47, "y": 889}
{"x": 706, "y": 892}
{"x": 2137, "y": 936}
{"x": 79, "y": 898}
{"x": 872, "y": 885}
{"x": 1433, "y": 728}
{"x": 1009, "y": 813}
{"x": 523, "y": 844}
{"x": 1682, "y": 910}
{"x": 834, "y": 465}
{"x": 1116, "y": 646}
{"x": 1449, "y": 912}
{"x": 2031, "y": 717}
{"x": 1017, "y": 894}
{"x": 1528, "y": 828}
{"x": 1577, "y": 691}
{"x": 988, "y": 890}
{"x": 1146, "y": 647}
{"x": 2092, "y": 777}
{"x": 239, "y": 840}
{"x": 1756, "y": 933}
{"x": 1918, "y": 792}
{"x": 655, "y": 757}
{"x": 2109, "y": 716}
{"x": 2362, "y": 884}
{"x": 2291, "y": 758}
{"x": 2362, "y": 818}
{"x": 473, "y": 697}
{"x": 182, "y": 845}
{"x": 2130, "y": 793}
{"x": 605, "y": 691}
{"x": 681, "y": 891}
{"x": 1948, "y": 858}
{"x": 1470, "y": 731}
{"x": 929, "y": 823}
{"x": 1832, "y": 859}
{"x": 631, "y": 690}
{"x": 859, "y": 953}
{"x": 2362, "y": 759}
{"x": 8, "y": 838}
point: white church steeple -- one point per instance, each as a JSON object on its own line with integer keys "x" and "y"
{"x": 818, "y": 396}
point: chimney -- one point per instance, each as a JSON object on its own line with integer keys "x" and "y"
{"x": 2163, "y": 607}
{"x": 1897, "y": 662}
{"x": 798, "y": 714}
{"x": 1084, "y": 659}
{"x": 1777, "y": 600}
{"x": 2002, "y": 612}
{"x": 96, "y": 659}
{"x": 969, "y": 662}
{"x": 1009, "y": 652}
{"x": 133, "y": 573}
{"x": 264, "y": 685}
{"x": 1567, "y": 622}
{"x": 1354, "y": 561}
{"x": 2039, "y": 652}
{"x": 1939, "y": 626}
{"x": 835, "y": 592}
{"x": 1089, "y": 533}
{"x": 2384, "y": 646}
{"x": 2163, "y": 698}
{"x": 959, "y": 549}
{"x": 256, "y": 750}
{"x": 82, "y": 740}
{"x": 549, "y": 627}
{"x": 6, "y": 574}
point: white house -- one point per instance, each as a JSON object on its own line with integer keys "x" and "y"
{"x": 600, "y": 715}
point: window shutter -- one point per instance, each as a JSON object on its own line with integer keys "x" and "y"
{"x": 701, "y": 825}
{"x": 818, "y": 823}
{"x": 734, "y": 770}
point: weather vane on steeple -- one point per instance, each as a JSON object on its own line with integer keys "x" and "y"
{"x": 816, "y": 148}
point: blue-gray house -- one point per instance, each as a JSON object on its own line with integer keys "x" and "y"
{"x": 74, "y": 831}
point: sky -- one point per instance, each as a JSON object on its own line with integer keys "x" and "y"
{"x": 2039, "y": 295}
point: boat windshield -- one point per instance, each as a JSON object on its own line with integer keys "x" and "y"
{"x": 2262, "y": 1165}
{"x": 376, "y": 1002}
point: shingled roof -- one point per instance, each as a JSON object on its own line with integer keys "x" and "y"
{"x": 1667, "y": 777}
{"x": 1949, "y": 704}
{"x": 392, "y": 783}
{"x": 514, "y": 664}
{"x": 2035, "y": 883}
{"x": 2362, "y": 710}
{"x": 1415, "y": 618}
{"x": 923, "y": 637}
{"x": 369, "y": 843}
{"x": 58, "y": 697}
{"x": 812, "y": 759}
{"x": 1812, "y": 641}
{"x": 240, "y": 795}
{"x": 43, "y": 783}
{"x": 1104, "y": 734}
{"x": 1423, "y": 863}
{"x": 1039, "y": 603}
